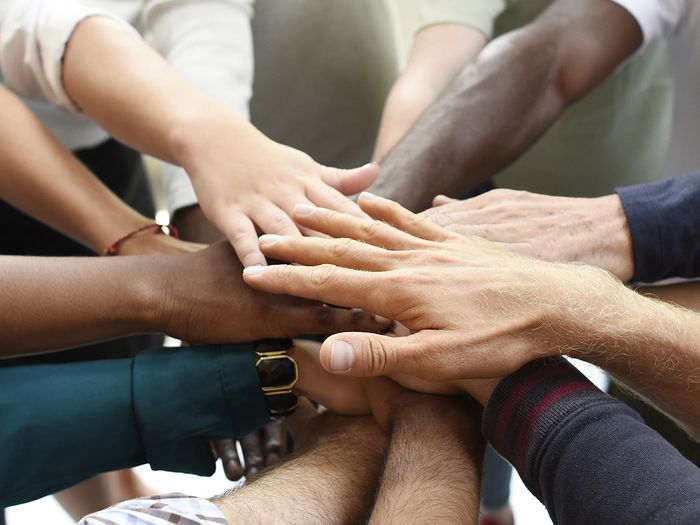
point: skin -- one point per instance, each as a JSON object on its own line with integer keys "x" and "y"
{"x": 469, "y": 320}
{"x": 500, "y": 105}
{"x": 243, "y": 179}
{"x": 197, "y": 297}
{"x": 558, "y": 229}
{"x": 438, "y": 54}
{"x": 52, "y": 186}
{"x": 335, "y": 472}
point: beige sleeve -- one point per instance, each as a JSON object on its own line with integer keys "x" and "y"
{"x": 480, "y": 14}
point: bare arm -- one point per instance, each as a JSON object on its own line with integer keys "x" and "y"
{"x": 331, "y": 478}
{"x": 438, "y": 54}
{"x": 432, "y": 470}
{"x": 52, "y": 186}
{"x": 500, "y": 106}
{"x": 243, "y": 179}
{"x": 50, "y": 303}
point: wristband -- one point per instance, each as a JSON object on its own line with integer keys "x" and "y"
{"x": 168, "y": 229}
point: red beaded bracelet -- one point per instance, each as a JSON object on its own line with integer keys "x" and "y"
{"x": 168, "y": 229}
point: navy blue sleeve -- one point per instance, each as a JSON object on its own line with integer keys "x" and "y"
{"x": 586, "y": 456}
{"x": 664, "y": 220}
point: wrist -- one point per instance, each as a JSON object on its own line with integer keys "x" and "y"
{"x": 616, "y": 253}
{"x": 196, "y": 132}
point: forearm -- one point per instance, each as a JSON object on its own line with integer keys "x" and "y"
{"x": 651, "y": 347}
{"x": 331, "y": 478}
{"x": 433, "y": 467}
{"x": 53, "y": 186}
{"x": 561, "y": 434}
{"x": 438, "y": 54}
{"x": 50, "y": 303}
{"x": 105, "y": 66}
{"x": 502, "y": 104}
{"x": 686, "y": 295}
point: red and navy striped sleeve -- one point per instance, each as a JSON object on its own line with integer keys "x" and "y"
{"x": 586, "y": 456}
{"x": 664, "y": 222}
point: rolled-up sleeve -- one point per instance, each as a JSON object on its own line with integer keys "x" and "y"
{"x": 210, "y": 44}
{"x": 33, "y": 39}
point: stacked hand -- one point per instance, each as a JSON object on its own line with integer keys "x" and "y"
{"x": 558, "y": 229}
{"x": 473, "y": 309}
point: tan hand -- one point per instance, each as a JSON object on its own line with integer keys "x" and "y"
{"x": 474, "y": 310}
{"x": 558, "y": 229}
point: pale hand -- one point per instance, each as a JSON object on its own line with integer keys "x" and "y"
{"x": 473, "y": 309}
{"x": 558, "y": 229}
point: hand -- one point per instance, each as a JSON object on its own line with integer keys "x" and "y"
{"x": 245, "y": 182}
{"x": 261, "y": 448}
{"x": 557, "y": 229}
{"x": 201, "y": 298}
{"x": 474, "y": 310}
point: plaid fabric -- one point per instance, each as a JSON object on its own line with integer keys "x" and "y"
{"x": 168, "y": 509}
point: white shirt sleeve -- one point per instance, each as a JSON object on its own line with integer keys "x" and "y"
{"x": 657, "y": 18}
{"x": 33, "y": 38}
{"x": 210, "y": 44}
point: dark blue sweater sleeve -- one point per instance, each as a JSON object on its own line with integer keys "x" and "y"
{"x": 586, "y": 456}
{"x": 664, "y": 221}
{"x": 62, "y": 424}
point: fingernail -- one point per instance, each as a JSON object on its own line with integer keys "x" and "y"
{"x": 268, "y": 238}
{"x": 367, "y": 196}
{"x": 380, "y": 319}
{"x": 304, "y": 209}
{"x": 254, "y": 270}
{"x": 341, "y": 356}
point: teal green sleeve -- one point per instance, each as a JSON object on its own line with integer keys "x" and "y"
{"x": 61, "y": 424}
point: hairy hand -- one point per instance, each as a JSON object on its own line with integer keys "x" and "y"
{"x": 558, "y": 229}
{"x": 204, "y": 300}
{"x": 473, "y": 309}
{"x": 257, "y": 190}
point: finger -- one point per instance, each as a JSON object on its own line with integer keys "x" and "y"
{"x": 311, "y": 251}
{"x": 402, "y": 219}
{"x": 326, "y": 197}
{"x": 327, "y": 320}
{"x": 343, "y": 225}
{"x": 327, "y": 284}
{"x": 273, "y": 220}
{"x": 349, "y": 182}
{"x": 227, "y": 451}
{"x": 241, "y": 233}
{"x": 251, "y": 445}
{"x": 431, "y": 355}
{"x": 441, "y": 200}
{"x": 274, "y": 442}
{"x": 372, "y": 355}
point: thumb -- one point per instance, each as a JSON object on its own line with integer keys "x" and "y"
{"x": 349, "y": 182}
{"x": 367, "y": 355}
{"x": 441, "y": 200}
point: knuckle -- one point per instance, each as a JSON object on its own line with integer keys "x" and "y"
{"x": 378, "y": 356}
{"x": 372, "y": 228}
{"x": 322, "y": 275}
{"x": 341, "y": 247}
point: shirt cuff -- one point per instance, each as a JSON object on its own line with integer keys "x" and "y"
{"x": 527, "y": 408}
{"x": 186, "y": 397}
{"x": 479, "y": 15}
{"x": 664, "y": 220}
{"x": 167, "y": 508}
{"x": 33, "y": 40}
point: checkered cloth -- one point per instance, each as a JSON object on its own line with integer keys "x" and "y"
{"x": 168, "y": 509}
